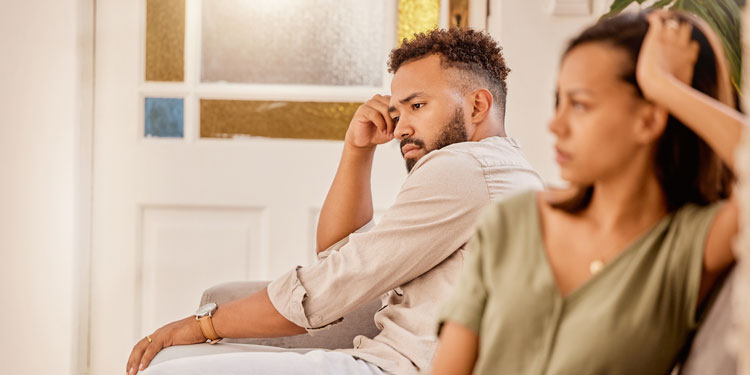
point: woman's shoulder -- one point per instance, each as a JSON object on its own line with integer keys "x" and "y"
{"x": 695, "y": 219}
{"x": 692, "y": 213}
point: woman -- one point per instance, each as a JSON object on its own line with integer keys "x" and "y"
{"x": 607, "y": 277}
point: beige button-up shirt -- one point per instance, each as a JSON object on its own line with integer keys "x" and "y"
{"x": 411, "y": 257}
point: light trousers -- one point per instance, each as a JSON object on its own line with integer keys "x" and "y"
{"x": 244, "y": 359}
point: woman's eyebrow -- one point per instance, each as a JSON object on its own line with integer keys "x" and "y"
{"x": 579, "y": 91}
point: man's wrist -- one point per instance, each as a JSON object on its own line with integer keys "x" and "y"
{"x": 204, "y": 316}
{"x": 359, "y": 152}
{"x": 195, "y": 327}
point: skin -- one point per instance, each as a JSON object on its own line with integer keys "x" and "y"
{"x": 348, "y": 205}
{"x": 606, "y": 137}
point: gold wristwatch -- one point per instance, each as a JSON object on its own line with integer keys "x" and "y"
{"x": 203, "y": 315}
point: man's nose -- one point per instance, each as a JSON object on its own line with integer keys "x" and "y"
{"x": 403, "y": 129}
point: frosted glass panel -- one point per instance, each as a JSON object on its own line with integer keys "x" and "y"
{"x": 313, "y": 42}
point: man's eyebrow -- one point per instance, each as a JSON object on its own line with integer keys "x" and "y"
{"x": 406, "y": 100}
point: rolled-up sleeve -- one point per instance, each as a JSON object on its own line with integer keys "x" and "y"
{"x": 340, "y": 243}
{"x": 434, "y": 215}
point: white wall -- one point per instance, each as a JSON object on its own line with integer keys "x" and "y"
{"x": 40, "y": 117}
{"x": 532, "y": 40}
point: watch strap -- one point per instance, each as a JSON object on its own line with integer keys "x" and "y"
{"x": 207, "y": 328}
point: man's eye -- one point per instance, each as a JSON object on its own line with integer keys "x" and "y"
{"x": 395, "y": 119}
{"x": 417, "y": 105}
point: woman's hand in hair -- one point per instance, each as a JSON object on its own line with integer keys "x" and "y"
{"x": 668, "y": 51}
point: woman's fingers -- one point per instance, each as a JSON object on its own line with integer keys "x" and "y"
{"x": 686, "y": 32}
{"x": 655, "y": 23}
{"x": 669, "y": 28}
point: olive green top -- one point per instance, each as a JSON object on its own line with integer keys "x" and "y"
{"x": 632, "y": 317}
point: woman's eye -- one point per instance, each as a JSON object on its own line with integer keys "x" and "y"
{"x": 395, "y": 119}
{"x": 578, "y": 106}
{"x": 417, "y": 105}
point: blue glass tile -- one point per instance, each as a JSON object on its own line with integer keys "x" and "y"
{"x": 164, "y": 117}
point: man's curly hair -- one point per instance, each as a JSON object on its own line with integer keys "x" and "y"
{"x": 464, "y": 49}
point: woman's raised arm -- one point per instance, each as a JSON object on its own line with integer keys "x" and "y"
{"x": 665, "y": 64}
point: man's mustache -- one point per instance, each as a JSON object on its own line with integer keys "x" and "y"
{"x": 417, "y": 142}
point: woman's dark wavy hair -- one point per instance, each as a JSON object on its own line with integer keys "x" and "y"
{"x": 686, "y": 167}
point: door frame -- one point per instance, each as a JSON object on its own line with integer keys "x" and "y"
{"x": 83, "y": 139}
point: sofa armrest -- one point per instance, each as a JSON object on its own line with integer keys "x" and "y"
{"x": 338, "y": 336}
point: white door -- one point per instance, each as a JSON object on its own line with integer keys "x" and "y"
{"x": 174, "y": 216}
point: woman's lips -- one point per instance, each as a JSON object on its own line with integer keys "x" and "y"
{"x": 561, "y": 156}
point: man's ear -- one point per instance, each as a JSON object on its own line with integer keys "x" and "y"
{"x": 651, "y": 124}
{"x": 481, "y": 105}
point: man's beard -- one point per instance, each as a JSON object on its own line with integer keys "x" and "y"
{"x": 453, "y": 132}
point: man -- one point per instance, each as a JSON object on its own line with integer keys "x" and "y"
{"x": 446, "y": 109}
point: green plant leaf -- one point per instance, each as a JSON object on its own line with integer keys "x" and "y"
{"x": 618, "y": 6}
{"x": 724, "y": 17}
{"x": 661, "y": 4}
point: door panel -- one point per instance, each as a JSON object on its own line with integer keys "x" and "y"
{"x": 174, "y": 216}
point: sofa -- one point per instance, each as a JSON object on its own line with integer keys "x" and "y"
{"x": 707, "y": 354}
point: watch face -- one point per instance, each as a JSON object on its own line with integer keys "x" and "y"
{"x": 205, "y": 310}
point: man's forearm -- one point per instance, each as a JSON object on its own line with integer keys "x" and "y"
{"x": 252, "y": 316}
{"x": 348, "y": 205}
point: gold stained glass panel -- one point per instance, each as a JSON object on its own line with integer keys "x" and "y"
{"x": 274, "y": 119}
{"x": 165, "y": 40}
{"x": 415, "y": 16}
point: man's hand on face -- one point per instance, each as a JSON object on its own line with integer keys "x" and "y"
{"x": 372, "y": 124}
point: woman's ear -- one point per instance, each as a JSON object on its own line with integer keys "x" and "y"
{"x": 652, "y": 123}
{"x": 481, "y": 105}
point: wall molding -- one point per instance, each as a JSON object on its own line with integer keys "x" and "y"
{"x": 83, "y": 140}
{"x": 570, "y": 7}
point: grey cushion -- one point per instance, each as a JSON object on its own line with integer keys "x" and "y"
{"x": 709, "y": 353}
{"x": 337, "y": 336}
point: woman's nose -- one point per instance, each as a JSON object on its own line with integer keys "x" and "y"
{"x": 557, "y": 124}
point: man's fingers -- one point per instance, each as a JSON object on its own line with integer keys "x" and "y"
{"x": 135, "y": 356}
{"x": 382, "y": 107}
{"x": 150, "y": 353}
{"x": 385, "y": 99}
{"x": 374, "y": 116}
